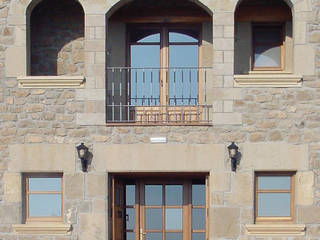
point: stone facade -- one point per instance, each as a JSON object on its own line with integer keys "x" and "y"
{"x": 276, "y": 128}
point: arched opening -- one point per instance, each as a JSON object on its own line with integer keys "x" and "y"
{"x": 155, "y": 54}
{"x": 56, "y": 38}
{"x": 263, "y": 36}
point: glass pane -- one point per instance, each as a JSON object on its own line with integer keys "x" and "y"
{"x": 274, "y": 204}
{"x": 153, "y": 218}
{"x": 173, "y": 195}
{"x": 153, "y": 236}
{"x": 130, "y": 235}
{"x": 44, "y": 184}
{"x": 198, "y": 194}
{"x": 144, "y": 83}
{"x": 173, "y": 236}
{"x": 183, "y": 56}
{"x": 180, "y": 37}
{"x": 151, "y": 38}
{"x": 153, "y": 195}
{"x": 130, "y": 218}
{"x": 267, "y": 35}
{"x": 274, "y": 183}
{"x": 267, "y": 56}
{"x": 198, "y": 218}
{"x": 173, "y": 219}
{"x": 130, "y": 194}
{"x": 44, "y": 205}
{"x": 198, "y": 236}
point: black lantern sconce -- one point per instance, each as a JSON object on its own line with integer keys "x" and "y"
{"x": 83, "y": 155}
{"x": 233, "y": 154}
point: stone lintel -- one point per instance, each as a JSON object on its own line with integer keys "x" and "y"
{"x": 51, "y": 81}
{"x": 54, "y": 228}
{"x": 268, "y": 80}
{"x": 276, "y": 229}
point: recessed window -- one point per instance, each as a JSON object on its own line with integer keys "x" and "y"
{"x": 274, "y": 196}
{"x": 267, "y": 47}
{"x": 43, "y": 198}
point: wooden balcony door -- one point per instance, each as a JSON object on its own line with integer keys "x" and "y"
{"x": 151, "y": 209}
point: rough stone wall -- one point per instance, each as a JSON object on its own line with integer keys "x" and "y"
{"x": 57, "y": 34}
{"x": 43, "y": 116}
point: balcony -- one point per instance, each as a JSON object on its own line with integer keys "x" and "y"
{"x": 157, "y": 96}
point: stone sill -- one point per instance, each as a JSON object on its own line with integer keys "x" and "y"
{"x": 268, "y": 80}
{"x": 51, "y": 81}
{"x": 276, "y": 229}
{"x": 42, "y": 228}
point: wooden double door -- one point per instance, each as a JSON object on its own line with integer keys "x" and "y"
{"x": 152, "y": 209}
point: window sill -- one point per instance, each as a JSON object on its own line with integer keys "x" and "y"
{"x": 51, "y": 81}
{"x": 268, "y": 79}
{"x": 42, "y": 228}
{"x": 275, "y": 229}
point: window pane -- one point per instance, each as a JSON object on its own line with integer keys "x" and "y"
{"x": 179, "y": 37}
{"x": 151, "y": 38}
{"x": 173, "y": 195}
{"x": 267, "y": 56}
{"x": 130, "y": 218}
{"x": 130, "y": 194}
{"x": 198, "y": 194}
{"x": 183, "y": 56}
{"x": 44, "y": 205}
{"x": 267, "y": 35}
{"x": 198, "y": 236}
{"x": 173, "y": 236}
{"x": 274, "y": 204}
{"x": 153, "y": 194}
{"x": 44, "y": 184}
{"x": 274, "y": 182}
{"x": 153, "y": 218}
{"x": 174, "y": 219}
{"x": 130, "y": 235}
{"x": 198, "y": 218}
{"x": 153, "y": 236}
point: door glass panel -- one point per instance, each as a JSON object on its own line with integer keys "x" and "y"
{"x": 274, "y": 204}
{"x": 44, "y": 184}
{"x": 130, "y": 235}
{"x": 44, "y": 205}
{"x": 173, "y": 236}
{"x": 151, "y": 38}
{"x": 130, "y": 218}
{"x": 267, "y": 35}
{"x": 173, "y": 195}
{"x": 153, "y": 218}
{"x": 198, "y": 218}
{"x": 274, "y": 182}
{"x": 173, "y": 219}
{"x": 198, "y": 236}
{"x": 267, "y": 56}
{"x": 153, "y": 195}
{"x": 198, "y": 194}
{"x": 130, "y": 194}
{"x": 153, "y": 236}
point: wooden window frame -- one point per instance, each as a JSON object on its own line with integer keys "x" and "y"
{"x": 140, "y": 206}
{"x": 281, "y": 43}
{"x": 291, "y": 218}
{"x": 26, "y": 178}
{"x": 164, "y": 29}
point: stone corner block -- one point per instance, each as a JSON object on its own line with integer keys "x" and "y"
{"x": 73, "y": 186}
{"x": 227, "y": 119}
{"x": 15, "y": 61}
{"x": 226, "y": 222}
{"x": 308, "y": 215}
{"x": 42, "y": 157}
{"x": 12, "y": 187}
{"x": 304, "y": 188}
{"x": 92, "y": 226}
{"x": 96, "y": 186}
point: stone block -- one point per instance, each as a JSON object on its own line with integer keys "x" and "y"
{"x": 90, "y": 94}
{"x": 93, "y": 226}
{"x": 304, "y": 61}
{"x": 308, "y": 215}
{"x": 241, "y": 195}
{"x": 15, "y": 61}
{"x": 225, "y": 222}
{"x": 73, "y": 185}
{"x": 227, "y": 119}
{"x": 304, "y": 188}
{"x": 95, "y": 20}
{"x": 90, "y": 119}
{"x": 219, "y": 182}
{"x": 96, "y": 186}
{"x": 155, "y": 157}
{"x": 95, "y": 45}
{"x": 10, "y": 213}
{"x": 228, "y": 106}
{"x": 274, "y": 156}
{"x": 227, "y": 93}
{"x": 300, "y": 32}
{"x": 99, "y": 205}
{"x": 12, "y": 187}
{"x": 42, "y": 157}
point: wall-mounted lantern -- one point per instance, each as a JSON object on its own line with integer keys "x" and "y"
{"x": 83, "y": 155}
{"x": 233, "y": 153}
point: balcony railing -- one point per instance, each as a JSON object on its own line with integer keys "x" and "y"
{"x": 176, "y": 96}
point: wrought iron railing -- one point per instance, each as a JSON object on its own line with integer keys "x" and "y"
{"x": 158, "y": 95}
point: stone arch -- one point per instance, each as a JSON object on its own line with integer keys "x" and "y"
{"x": 288, "y": 2}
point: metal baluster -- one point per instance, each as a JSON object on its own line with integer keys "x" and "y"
{"x": 189, "y": 86}
{"x": 197, "y": 80}
{"x": 136, "y": 80}
{"x": 112, "y": 90}
{"x": 143, "y": 85}
{"x": 182, "y": 87}
{"x": 174, "y": 87}
{"x": 128, "y": 94}
{"x": 151, "y": 87}
{"x": 120, "y": 95}
{"x": 205, "y": 86}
